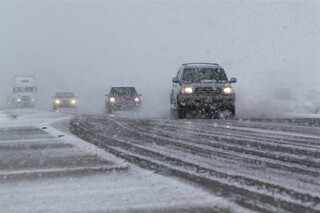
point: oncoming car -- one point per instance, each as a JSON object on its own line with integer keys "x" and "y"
{"x": 202, "y": 88}
{"x": 122, "y": 99}
{"x": 65, "y": 100}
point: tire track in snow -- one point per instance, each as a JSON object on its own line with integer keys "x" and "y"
{"x": 111, "y": 134}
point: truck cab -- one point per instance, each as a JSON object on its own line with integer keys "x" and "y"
{"x": 23, "y": 92}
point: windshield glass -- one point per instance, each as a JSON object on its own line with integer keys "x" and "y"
{"x": 204, "y": 74}
{"x": 25, "y": 89}
{"x": 64, "y": 95}
{"x": 123, "y": 91}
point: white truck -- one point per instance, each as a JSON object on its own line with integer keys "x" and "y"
{"x": 24, "y": 92}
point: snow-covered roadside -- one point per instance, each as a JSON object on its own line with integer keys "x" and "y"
{"x": 3, "y": 117}
{"x": 132, "y": 190}
{"x": 28, "y": 117}
{"x": 58, "y": 127}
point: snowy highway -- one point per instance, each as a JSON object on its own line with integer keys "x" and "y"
{"x": 262, "y": 165}
{"x": 44, "y": 168}
{"x": 158, "y": 106}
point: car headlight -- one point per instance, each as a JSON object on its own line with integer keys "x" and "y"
{"x": 57, "y": 101}
{"x": 187, "y": 90}
{"x": 137, "y": 100}
{"x": 73, "y": 101}
{"x": 18, "y": 99}
{"x": 112, "y": 100}
{"x": 228, "y": 90}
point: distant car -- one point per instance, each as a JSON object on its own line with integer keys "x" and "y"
{"x": 202, "y": 88}
{"x": 122, "y": 99}
{"x": 65, "y": 100}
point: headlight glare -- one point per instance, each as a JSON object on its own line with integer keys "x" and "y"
{"x": 112, "y": 100}
{"x": 137, "y": 100}
{"x": 228, "y": 90}
{"x": 73, "y": 101}
{"x": 57, "y": 101}
{"x": 187, "y": 90}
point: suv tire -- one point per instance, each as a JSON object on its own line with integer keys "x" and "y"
{"x": 108, "y": 110}
{"x": 181, "y": 113}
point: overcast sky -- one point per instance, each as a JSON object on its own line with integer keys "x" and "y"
{"x": 88, "y": 46}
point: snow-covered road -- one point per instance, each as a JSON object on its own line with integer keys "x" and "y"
{"x": 43, "y": 168}
{"x": 264, "y": 165}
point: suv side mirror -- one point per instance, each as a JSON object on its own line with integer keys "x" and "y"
{"x": 233, "y": 80}
{"x": 175, "y": 80}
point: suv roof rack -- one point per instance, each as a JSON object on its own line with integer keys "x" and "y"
{"x": 186, "y": 64}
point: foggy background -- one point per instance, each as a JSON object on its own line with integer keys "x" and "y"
{"x": 85, "y": 47}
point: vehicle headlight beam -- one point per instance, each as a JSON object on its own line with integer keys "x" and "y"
{"x": 228, "y": 90}
{"x": 187, "y": 90}
{"x": 137, "y": 100}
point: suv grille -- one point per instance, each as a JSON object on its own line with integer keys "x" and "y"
{"x": 25, "y": 98}
{"x": 207, "y": 91}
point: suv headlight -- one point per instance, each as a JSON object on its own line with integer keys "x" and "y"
{"x": 73, "y": 101}
{"x": 228, "y": 90}
{"x": 112, "y": 100}
{"x": 137, "y": 100}
{"x": 186, "y": 90}
{"x": 57, "y": 101}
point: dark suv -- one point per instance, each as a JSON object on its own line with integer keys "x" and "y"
{"x": 202, "y": 88}
{"x": 122, "y": 98}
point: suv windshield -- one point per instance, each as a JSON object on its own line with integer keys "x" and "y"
{"x": 204, "y": 74}
{"x": 123, "y": 91}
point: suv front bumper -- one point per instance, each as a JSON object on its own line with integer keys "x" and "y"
{"x": 218, "y": 102}
{"x": 123, "y": 106}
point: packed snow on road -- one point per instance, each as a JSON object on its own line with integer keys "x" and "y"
{"x": 45, "y": 168}
{"x": 127, "y": 163}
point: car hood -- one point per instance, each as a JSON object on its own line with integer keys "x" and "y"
{"x": 64, "y": 98}
{"x": 211, "y": 84}
{"x": 125, "y": 97}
